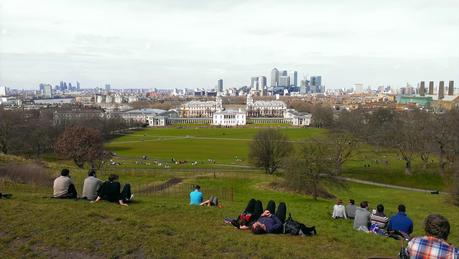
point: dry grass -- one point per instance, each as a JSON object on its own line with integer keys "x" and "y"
{"x": 29, "y": 173}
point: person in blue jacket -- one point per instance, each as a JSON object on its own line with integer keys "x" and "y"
{"x": 401, "y": 222}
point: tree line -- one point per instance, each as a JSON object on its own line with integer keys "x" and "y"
{"x": 34, "y": 133}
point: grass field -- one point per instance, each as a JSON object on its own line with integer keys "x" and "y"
{"x": 164, "y": 225}
{"x": 228, "y": 148}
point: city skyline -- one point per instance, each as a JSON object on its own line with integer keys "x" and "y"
{"x": 178, "y": 44}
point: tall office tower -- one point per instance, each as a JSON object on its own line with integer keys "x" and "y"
{"x": 108, "y": 87}
{"x": 41, "y": 87}
{"x": 78, "y": 86}
{"x": 441, "y": 90}
{"x": 70, "y": 86}
{"x": 422, "y": 88}
{"x": 65, "y": 86}
{"x": 274, "y": 77}
{"x": 431, "y": 87}
{"x": 284, "y": 73}
{"x": 61, "y": 85}
{"x": 262, "y": 81}
{"x": 451, "y": 88}
{"x": 220, "y": 85}
{"x": 295, "y": 78}
{"x": 254, "y": 83}
{"x": 284, "y": 81}
{"x": 316, "y": 83}
{"x": 3, "y": 91}
{"x": 47, "y": 91}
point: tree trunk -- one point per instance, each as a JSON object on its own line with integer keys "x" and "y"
{"x": 338, "y": 168}
{"x": 442, "y": 161}
{"x": 408, "y": 167}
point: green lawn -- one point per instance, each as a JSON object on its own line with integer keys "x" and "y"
{"x": 163, "y": 225}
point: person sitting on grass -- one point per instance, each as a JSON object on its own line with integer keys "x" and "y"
{"x": 91, "y": 185}
{"x": 362, "y": 217}
{"x": 267, "y": 223}
{"x": 196, "y": 196}
{"x": 401, "y": 222}
{"x": 350, "y": 209}
{"x": 63, "y": 187}
{"x": 378, "y": 218}
{"x": 110, "y": 191}
{"x": 212, "y": 201}
{"x": 433, "y": 244}
{"x": 339, "y": 211}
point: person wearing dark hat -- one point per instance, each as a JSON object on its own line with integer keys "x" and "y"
{"x": 64, "y": 187}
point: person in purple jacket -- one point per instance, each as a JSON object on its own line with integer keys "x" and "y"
{"x": 267, "y": 223}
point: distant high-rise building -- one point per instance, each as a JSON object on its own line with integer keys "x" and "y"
{"x": 3, "y": 91}
{"x": 78, "y": 86}
{"x": 70, "y": 86}
{"x": 284, "y": 81}
{"x": 254, "y": 83}
{"x": 295, "y": 78}
{"x": 431, "y": 88}
{"x": 422, "y": 88}
{"x": 441, "y": 90}
{"x": 107, "y": 87}
{"x": 47, "y": 91}
{"x": 262, "y": 81}
{"x": 65, "y": 86}
{"x": 220, "y": 85}
{"x": 61, "y": 85}
{"x": 451, "y": 88}
{"x": 316, "y": 84}
{"x": 274, "y": 77}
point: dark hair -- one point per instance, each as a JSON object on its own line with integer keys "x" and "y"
{"x": 65, "y": 172}
{"x": 401, "y": 208}
{"x": 92, "y": 172}
{"x": 364, "y": 204}
{"x": 113, "y": 177}
{"x": 258, "y": 230}
{"x": 380, "y": 208}
{"x": 197, "y": 187}
{"x": 438, "y": 226}
{"x": 351, "y": 201}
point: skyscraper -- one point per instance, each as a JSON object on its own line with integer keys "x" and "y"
{"x": 284, "y": 81}
{"x": 274, "y": 77}
{"x": 78, "y": 86}
{"x": 295, "y": 78}
{"x": 220, "y": 86}
{"x": 47, "y": 91}
{"x": 422, "y": 88}
{"x": 262, "y": 81}
{"x": 254, "y": 83}
{"x": 431, "y": 87}
{"x": 441, "y": 90}
{"x": 284, "y": 73}
{"x": 451, "y": 88}
{"x": 3, "y": 91}
{"x": 316, "y": 84}
{"x": 108, "y": 87}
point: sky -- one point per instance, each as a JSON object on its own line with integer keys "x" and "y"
{"x": 193, "y": 43}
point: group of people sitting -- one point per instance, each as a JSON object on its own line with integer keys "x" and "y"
{"x": 433, "y": 245}
{"x": 376, "y": 221}
{"x": 269, "y": 220}
{"x": 94, "y": 189}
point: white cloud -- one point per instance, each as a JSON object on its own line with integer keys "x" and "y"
{"x": 173, "y": 43}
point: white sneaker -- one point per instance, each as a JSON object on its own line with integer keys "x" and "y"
{"x": 132, "y": 197}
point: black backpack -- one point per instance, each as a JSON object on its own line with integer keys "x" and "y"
{"x": 295, "y": 228}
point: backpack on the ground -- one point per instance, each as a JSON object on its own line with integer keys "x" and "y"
{"x": 295, "y": 228}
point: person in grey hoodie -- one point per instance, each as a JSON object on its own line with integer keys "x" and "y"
{"x": 91, "y": 185}
{"x": 362, "y": 217}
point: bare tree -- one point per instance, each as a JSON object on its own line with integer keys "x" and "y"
{"x": 312, "y": 166}
{"x": 343, "y": 147}
{"x": 81, "y": 144}
{"x": 268, "y": 148}
{"x": 322, "y": 116}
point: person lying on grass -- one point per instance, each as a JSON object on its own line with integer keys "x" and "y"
{"x": 267, "y": 223}
{"x": 110, "y": 191}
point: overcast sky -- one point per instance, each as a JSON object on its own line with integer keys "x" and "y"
{"x": 192, "y": 43}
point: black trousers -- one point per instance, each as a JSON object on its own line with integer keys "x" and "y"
{"x": 125, "y": 194}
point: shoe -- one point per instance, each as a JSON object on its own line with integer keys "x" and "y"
{"x": 132, "y": 197}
